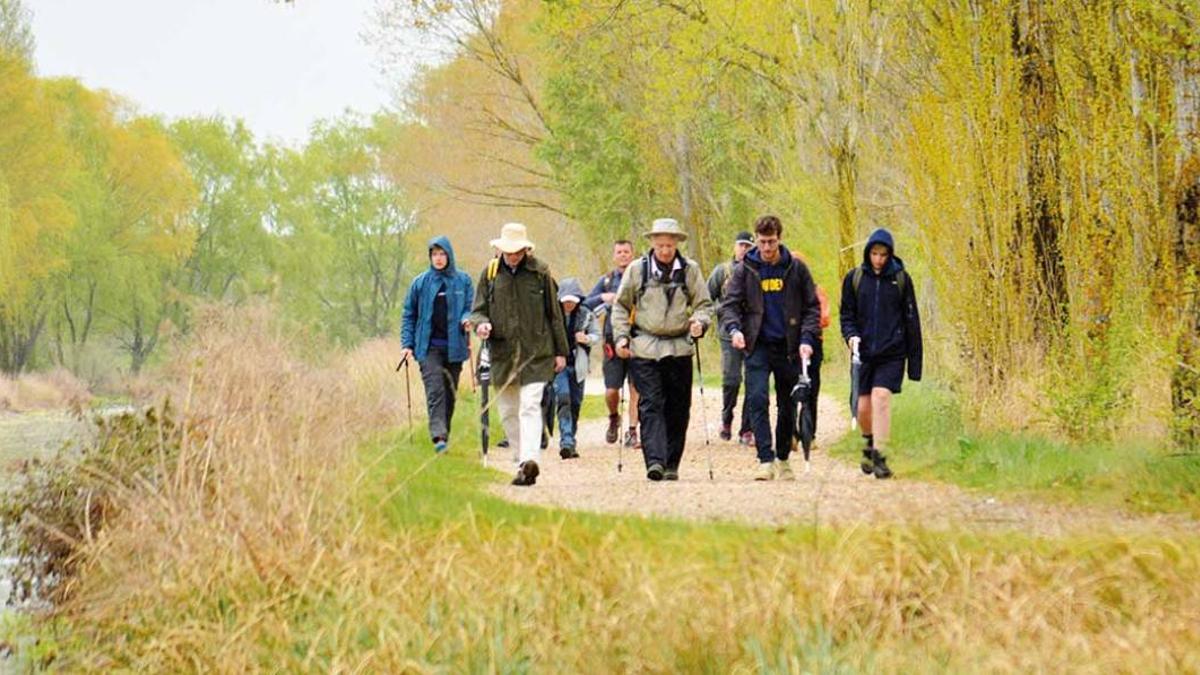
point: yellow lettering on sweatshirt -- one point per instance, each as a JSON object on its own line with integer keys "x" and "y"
{"x": 772, "y": 285}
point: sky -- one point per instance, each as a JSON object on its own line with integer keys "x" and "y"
{"x": 280, "y": 67}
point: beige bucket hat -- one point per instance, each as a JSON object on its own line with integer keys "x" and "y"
{"x": 513, "y": 238}
{"x": 667, "y": 226}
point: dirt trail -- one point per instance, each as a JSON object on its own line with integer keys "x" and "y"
{"x": 833, "y": 492}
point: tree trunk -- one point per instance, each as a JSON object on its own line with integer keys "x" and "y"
{"x": 1185, "y": 379}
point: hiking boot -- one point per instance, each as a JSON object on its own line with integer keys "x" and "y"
{"x": 747, "y": 438}
{"x": 631, "y": 438}
{"x": 527, "y": 473}
{"x": 568, "y": 453}
{"x": 614, "y": 429}
{"x": 868, "y": 461}
{"x": 766, "y": 471}
{"x": 880, "y": 466}
{"x": 783, "y": 470}
{"x": 726, "y": 432}
{"x": 672, "y": 473}
{"x": 439, "y": 445}
{"x": 655, "y": 472}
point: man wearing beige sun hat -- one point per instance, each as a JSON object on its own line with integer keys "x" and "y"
{"x": 661, "y": 307}
{"x": 517, "y": 311}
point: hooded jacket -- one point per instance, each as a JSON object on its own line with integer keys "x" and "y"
{"x": 743, "y": 307}
{"x": 416, "y": 326}
{"x": 585, "y": 321}
{"x": 888, "y": 324}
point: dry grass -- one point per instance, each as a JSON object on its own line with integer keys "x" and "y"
{"x": 55, "y": 389}
{"x": 278, "y": 545}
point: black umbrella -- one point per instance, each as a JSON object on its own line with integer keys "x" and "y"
{"x": 806, "y": 412}
{"x": 485, "y": 379}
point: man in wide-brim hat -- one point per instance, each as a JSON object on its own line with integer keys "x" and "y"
{"x": 662, "y": 305}
{"x": 516, "y": 309}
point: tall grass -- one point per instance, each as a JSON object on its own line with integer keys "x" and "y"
{"x": 280, "y": 541}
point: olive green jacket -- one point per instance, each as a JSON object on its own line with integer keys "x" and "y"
{"x": 527, "y": 322}
{"x": 659, "y": 327}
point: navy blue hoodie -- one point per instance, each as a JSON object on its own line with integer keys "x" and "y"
{"x": 888, "y": 324}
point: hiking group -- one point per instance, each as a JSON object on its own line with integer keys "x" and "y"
{"x": 538, "y": 334}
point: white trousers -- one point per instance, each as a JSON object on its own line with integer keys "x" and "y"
{"x": 521, "y": 415}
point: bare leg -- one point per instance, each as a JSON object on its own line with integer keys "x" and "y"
{"x": 612, "y": 397}
{"x": 864, "y": 414}
{"x": 881, "y": 413}
{"x": 633, "y": 404}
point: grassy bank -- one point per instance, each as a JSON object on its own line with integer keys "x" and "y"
{"x": 931, "y": 442}
{"x": 289, "y": 530}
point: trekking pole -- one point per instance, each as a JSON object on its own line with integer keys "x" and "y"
{"x": 703, "y": 409}
{"x": 407, "y": 392}
{"x": 621, "y": 422}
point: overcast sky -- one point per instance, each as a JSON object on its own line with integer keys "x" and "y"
{"x": 277, "y": 66}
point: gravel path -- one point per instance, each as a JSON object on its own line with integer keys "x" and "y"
{"x": 833, "y": 492}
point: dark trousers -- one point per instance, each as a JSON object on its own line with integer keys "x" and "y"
{"x": 732, "y": 365}
{"x": 568, "y": 392}
{"x": 440, "y": 378}
{"x": 772, "y": 359}
{"x": 665, "y": 406}
{"x": 814, "y": 374}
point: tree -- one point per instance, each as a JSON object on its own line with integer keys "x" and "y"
{"x": 16, "y": 33}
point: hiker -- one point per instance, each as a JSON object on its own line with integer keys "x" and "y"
{"x": 516, "y": 311}
{"x": 662, "y": 306}
{"x": 732, "y": 360}
{"x": 771, "y": 313}
{"x": 582, "y": 332}
{"x": 880, "y": 320}
{"x": 433, "y": 330}
{"x": 600, "y": 301}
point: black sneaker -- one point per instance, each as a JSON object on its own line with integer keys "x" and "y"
{"x": 527, "y": 473}
{"x": 614, "y": 429}
{"x": 568, "y": 453}
{"x": 671, "y": 473}
{"x": 655, "y": 472}
{"x": 881, "y": 468}
{"x": 726, "y": 432}
{"x": 868, "y": 461}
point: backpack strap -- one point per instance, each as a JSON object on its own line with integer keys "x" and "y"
{"x": 901, "y": 281}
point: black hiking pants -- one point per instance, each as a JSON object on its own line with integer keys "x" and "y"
{"x": 440, "y": 378}
{"x": 665, "y": 407}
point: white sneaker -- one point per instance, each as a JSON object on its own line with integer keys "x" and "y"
{"x": 766, "y": 471}
{"x": 783, "y": 471}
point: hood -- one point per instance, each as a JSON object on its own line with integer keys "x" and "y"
{"x": 785, "y": 257}
{"x": 882, "y": 236}
{"x": 443, "y": 243}
{"x": 570, "y": 286}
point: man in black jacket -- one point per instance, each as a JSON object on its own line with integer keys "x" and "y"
{"x": 771, "y": 312}
{"x": 880, "y": 321}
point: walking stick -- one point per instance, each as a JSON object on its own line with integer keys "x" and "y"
{"x": 621, "y": 422}
{"x": 704, "y": 409}
{"x": 407, "y": 392}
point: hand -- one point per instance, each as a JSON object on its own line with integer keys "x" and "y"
{"x": 560, "y": 362}
{"x": 608, "y": 298}
{"x": 405, "y": 354}
{"x": 853, "y": 344}
{"x": 623, "y": 349}
{"x": 582, "y": 338}
{"x": 738, "y": 340}
{"x": 696, "y": 329}
{"x": 484, "y": 331}
{"x": 806, "y": 352}
{"x": 466, "y": 326}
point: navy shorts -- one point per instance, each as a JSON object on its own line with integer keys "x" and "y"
{"x": 615, "y": 371}
{"x": 887, "y": 374}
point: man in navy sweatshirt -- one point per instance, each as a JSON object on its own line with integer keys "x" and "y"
{"x": 771, "y": 312}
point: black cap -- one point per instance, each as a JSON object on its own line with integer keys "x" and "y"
{"x": 744, "y": 237}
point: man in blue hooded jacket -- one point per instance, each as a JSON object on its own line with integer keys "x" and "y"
{"x": 433, "y": 332}
{"x": 880, "y": 321}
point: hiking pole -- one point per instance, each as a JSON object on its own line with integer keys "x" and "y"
{"x": 621, "y": 422}
{"x": 407, "y": 392}
{"x": 703, "y": 409}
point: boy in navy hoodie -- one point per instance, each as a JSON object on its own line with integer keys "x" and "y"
{"x": 880, "y": 321}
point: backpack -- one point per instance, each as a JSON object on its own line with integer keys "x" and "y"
{"x": 901, "y": 280}
{"x": 671, "y": 287}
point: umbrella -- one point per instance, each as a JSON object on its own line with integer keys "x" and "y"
{"x": 485, "y": 379}
{"x": 855, "y": 372}
{"x": 806, "y": 412}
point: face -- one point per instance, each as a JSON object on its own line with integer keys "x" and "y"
{"x": 439, "y": 258}
{"x": 514, "y": 259}
{"x": 569, "y": 306}
{"x": 664, "y": 247}
{"x": 768, "y": 247}
{"x": 622, "y": 255}
{"x": 879, "y": 256}
{"x": 739, "y": 250}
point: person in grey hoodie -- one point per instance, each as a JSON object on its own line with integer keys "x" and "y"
{"x": 583, "y": 333}
{"x": 433, "y": 332}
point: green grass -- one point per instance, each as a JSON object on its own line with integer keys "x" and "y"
{"x": 930, "y": 441}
